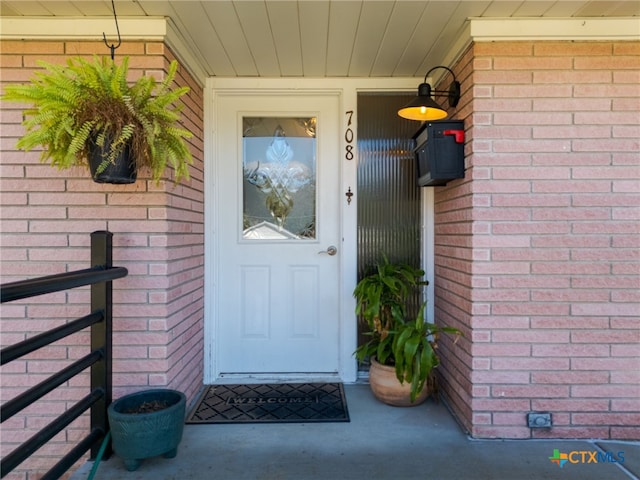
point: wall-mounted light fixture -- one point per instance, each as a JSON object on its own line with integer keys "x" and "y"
{"x": 423, "y": 107}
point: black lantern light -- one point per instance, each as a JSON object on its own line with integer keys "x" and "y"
{"x": 423, "y": 108}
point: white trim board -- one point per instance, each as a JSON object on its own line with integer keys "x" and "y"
{"x": 478, "y": 29}
{"x": 496, "y": 29}
{"x": 81, "y": 28}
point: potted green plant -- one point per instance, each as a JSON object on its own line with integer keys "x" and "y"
{"x": 87, "y": 112}
{"x": 402, "y": 348}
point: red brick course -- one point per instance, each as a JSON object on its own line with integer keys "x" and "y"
{"x": 537, "y": 248}
{"x": 47, "y": 216}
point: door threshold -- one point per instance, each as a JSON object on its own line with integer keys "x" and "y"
{"x": 277, "y": 378}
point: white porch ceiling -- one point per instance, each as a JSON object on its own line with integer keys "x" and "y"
{"x": 320, "y": 38}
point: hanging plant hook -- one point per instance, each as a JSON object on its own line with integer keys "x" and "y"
{"x": 112, "y": 46}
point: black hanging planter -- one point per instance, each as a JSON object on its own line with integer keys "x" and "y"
{"x": 122, "y": 170}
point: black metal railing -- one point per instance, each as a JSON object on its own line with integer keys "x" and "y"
{"x": 99, "y": 276}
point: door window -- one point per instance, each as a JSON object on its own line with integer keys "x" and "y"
{"x": 279, "y": 178}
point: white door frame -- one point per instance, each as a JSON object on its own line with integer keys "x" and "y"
{"x": 349, "y": 89}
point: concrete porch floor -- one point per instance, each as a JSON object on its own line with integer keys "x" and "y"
{"x": 380, "y": 442}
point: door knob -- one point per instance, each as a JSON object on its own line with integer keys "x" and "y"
{"x": 331, "y": 250}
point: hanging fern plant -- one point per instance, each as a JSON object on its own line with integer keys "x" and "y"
{"x": 89, "y": 103}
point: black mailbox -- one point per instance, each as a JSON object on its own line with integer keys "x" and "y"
{"x": 439, "y": 152}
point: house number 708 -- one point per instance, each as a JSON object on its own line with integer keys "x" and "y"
{"x": 348, "y": 137}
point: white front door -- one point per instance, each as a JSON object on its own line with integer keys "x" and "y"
{"x": 277, "y": 268}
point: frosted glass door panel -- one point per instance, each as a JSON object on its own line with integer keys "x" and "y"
{"x": 279, "y": 178}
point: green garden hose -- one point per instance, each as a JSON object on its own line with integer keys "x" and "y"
{"x": 103, "y": 447}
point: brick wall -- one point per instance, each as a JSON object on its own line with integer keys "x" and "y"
{"x": 47, "y": 216}
{"x": 537, "y": 248}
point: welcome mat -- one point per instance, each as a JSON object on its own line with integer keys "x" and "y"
{"x": 271, "y": 403}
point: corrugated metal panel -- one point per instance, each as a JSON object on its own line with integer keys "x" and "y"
{"x": 388, "y": 196}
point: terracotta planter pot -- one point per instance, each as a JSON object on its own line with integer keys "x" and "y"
{"x": 387, "y": 388}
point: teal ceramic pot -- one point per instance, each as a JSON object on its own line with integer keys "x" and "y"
{"x": 138, "y": 431}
